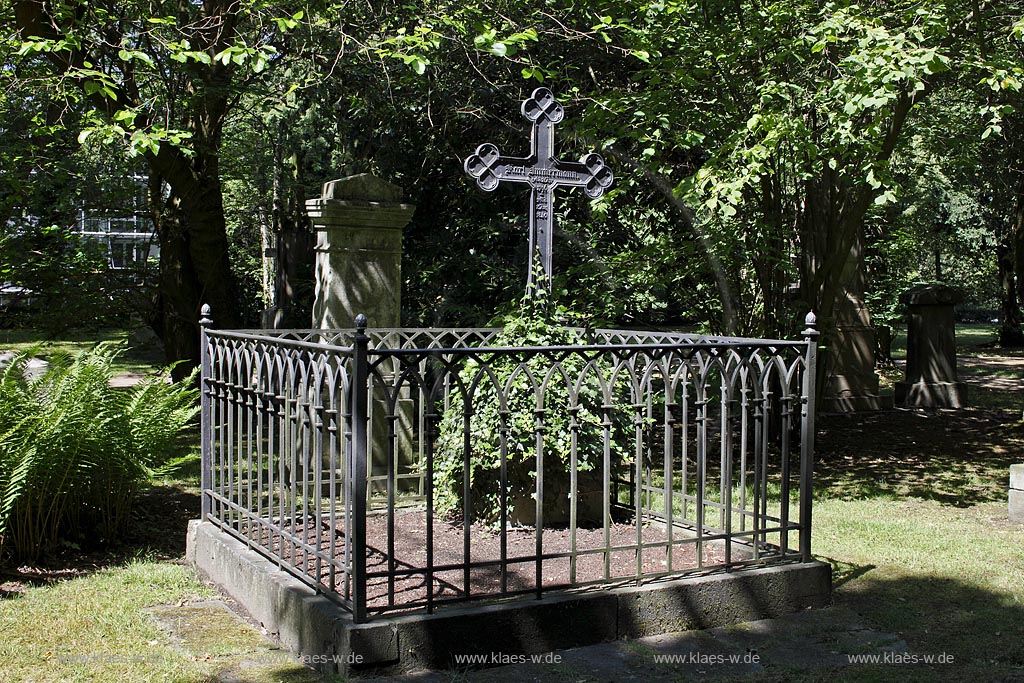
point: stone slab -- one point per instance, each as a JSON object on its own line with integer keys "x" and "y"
{"x": 1017, "y": 477}
{"x": 322, "y": 632}
{"x": 1016, "y": 505}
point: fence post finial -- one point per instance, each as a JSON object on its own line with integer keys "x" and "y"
{"x": 811, "y": 321}
{"x": 204, "y": 315}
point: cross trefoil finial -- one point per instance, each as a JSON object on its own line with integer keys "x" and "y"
{"x": 542, "y": 172}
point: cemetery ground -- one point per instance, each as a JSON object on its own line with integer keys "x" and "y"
{"x": 910, "y": 510}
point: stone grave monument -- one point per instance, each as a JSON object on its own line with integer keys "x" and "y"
{"x": 358, "y": 222}
{"x": 931, "y": 379}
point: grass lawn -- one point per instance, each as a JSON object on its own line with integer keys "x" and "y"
{"x": 142, "y": 353}
{"x": 97, "y": 616}
{"x": 910, "y": 510}
{"x": 913, "y": 519}
{"x": 946, "y": 579}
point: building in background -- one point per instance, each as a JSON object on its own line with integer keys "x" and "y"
{"x": 124, "y": 234}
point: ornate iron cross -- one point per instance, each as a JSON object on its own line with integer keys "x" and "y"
{"x": 542, "y": 172}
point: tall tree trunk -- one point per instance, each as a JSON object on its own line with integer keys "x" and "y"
{"x": 1010, "y": 330}
{"x": 190, "y": 222}
{"x": 294, "y": 254}
{"x": 194, "y": 264}
{"x": 1010, "y": 262}
{"x": 1015, "y": 242}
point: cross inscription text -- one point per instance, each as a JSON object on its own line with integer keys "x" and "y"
{"x": 542, "y": 172}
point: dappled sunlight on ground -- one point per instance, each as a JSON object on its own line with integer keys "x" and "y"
{"x": 957, "y": 457}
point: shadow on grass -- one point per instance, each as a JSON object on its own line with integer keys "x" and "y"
{"x": 974, "y": 627}
{"x": 157, "y": 530}
{"x": 277, "y": 674}
{"x": 844, "y": 572}
{"x": 957, "y": 458}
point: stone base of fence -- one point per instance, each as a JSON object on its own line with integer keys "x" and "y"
{"x": 322, "y": 633}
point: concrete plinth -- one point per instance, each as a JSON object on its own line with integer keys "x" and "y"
{"x": 1016, "y": 503}
{"x": 311, "y": 625}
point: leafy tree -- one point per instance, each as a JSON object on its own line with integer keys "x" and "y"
{"x": 46, "y": 181}
{"x": 757, "y": 146}
{"x": 161, "y": 79}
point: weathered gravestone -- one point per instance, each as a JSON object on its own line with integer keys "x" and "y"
{"x": 358, "y": 222}
{"x": 931, "y": 379}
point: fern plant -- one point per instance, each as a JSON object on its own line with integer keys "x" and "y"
{"x": 74, "y": 450}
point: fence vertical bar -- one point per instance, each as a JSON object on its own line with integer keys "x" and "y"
{"x": 810, "y": 334}
{"x": 206, "y": 410}
{"x": 357, "y": 483}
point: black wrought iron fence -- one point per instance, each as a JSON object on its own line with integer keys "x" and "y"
{"x": 399, "y": 470}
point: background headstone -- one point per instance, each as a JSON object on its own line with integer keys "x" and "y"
{"x": 931, "y": 379}
{"x": 358, "y": 224}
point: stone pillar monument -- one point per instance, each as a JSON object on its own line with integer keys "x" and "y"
{"x": 931, "y": 380}
{"x": 358, "y": 224}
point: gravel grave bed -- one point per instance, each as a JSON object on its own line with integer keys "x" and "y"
{"x": 410, "y": 557}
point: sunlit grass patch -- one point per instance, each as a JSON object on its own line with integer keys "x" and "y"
{"x": 139, "y": 355}
{"x": 947, "y": 579}
{"x": 102, "y": 627}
